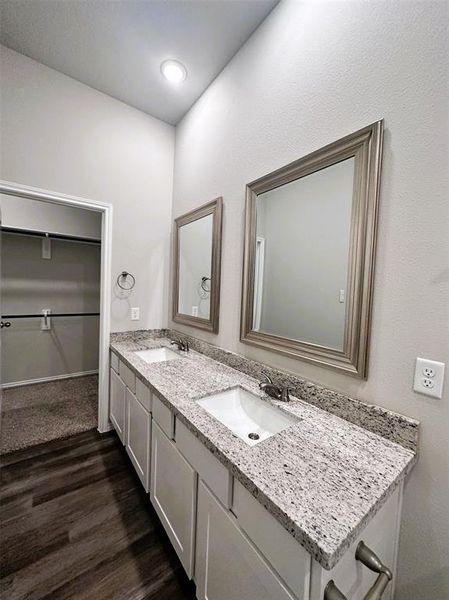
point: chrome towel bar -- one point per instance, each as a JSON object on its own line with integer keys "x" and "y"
{"x": 367, "y": 557}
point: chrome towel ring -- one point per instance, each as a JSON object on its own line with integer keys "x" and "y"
{"x": 126, "y": 281}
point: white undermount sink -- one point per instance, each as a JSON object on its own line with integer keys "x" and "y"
{"x": 247, "y": 415}
{"x": 153, "y": 355}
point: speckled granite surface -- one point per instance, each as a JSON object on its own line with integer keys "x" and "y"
{"x": 390, "y": 425}
{"x": 323, "y": 479}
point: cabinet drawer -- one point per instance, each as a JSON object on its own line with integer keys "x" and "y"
{"x": 114, "y": 361}
{"x": 143, "y": 394}
{"x": 227, "y": 565}
{"x": 286, "y": 555}
{"x": 128, "y": 377}
{"x": 215, "y": 475}
{"x": 163, "y": 417}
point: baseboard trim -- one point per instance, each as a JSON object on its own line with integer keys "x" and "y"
{"x": 12, "y": 384}
{"x": 109, "y": 427}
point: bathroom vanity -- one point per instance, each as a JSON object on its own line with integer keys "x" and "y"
{"x": 279, "y": 517}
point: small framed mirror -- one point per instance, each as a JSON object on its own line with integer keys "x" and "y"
{"x": 197, "y": 267}
{"x": 310, "y": 234}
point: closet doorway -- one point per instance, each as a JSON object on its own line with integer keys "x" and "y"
{"x": 55, "y": 307}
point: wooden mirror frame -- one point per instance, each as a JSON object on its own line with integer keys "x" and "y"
{"x": 214, "y": 208}
{"x": 365, "y": 146}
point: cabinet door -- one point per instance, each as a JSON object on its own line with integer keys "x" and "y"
{"x": 117, "y": 405}
{"x": 227, "y": 565}
{"x": 138, "y": 437}
{"x": 173, "y": 495}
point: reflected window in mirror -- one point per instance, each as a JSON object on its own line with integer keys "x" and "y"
{"x": 302, "y": 255}
{"x": 310, "y": 233}
{"x": 197, "y": 259}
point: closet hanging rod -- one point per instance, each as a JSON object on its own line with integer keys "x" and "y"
{"x": 52, "y": 315}
{"x": 52, "y": 236}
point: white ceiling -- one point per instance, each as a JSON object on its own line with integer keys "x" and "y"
{"x": 117, "y": 46}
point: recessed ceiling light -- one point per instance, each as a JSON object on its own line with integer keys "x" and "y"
{"x": 173, "y": 71}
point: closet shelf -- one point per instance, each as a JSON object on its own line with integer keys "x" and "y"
{"x": 52, "y": 315}
{"x": 51, "y": 236}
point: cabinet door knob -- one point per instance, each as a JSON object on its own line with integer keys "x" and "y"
{"x": 367, "y": 557}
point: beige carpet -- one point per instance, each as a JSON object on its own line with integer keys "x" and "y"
{"x": 32, "y": 414}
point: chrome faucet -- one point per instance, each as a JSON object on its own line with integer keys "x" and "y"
{"x": 279, "y": 393}
{"x": 183, "y": 345}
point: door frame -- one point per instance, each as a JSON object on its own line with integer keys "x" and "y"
{"x": 32, "y": 193}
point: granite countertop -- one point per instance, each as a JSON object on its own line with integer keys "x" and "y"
{"x": 323, "y": 478}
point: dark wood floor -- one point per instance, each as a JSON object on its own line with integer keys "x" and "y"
{"x": 76, "y": 523}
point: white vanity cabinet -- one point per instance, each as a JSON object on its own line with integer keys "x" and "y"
{"x": 173, "y": 495}
{"x": 290, "y": 560}
{"x": 117, "y": 405}
{"x": 241, "y": 554}
{"x": 114, "y": 361}
{"x": 130, "y": 413}
{"x": 228, "y": 565}
{"x": 138, "y": 437}
{"x": 227, "y": 541}
{"x": 354, "y": 579}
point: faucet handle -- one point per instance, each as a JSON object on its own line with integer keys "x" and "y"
{"x": 183, "y": 345}
{"x": 285, "y": 394}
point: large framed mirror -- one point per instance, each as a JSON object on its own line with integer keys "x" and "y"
{"x": 310, "y": 233}
{"x": 197, "y": 267}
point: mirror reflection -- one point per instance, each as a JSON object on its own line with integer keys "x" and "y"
{"x": 195, "y": 265}
{"x": 302, "y": 256}
{"x": 310, "y": 234}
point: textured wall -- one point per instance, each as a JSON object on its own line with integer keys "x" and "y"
{"x": 61, "y": 135}
{"x": 312, "y": 73}
{"x": 22, "y": 213}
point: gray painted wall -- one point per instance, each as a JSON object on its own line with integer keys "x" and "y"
{"x": 306, "y": 226}
{"x": 313, "y": 72}
{"x": 63, "y": 136}
{"x": 23, "y": 213}
{"x": 68, "y": 282}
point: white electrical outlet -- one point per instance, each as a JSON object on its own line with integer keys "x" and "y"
{"x": 135, "y": 314}
{"x": 429, "y": 377}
